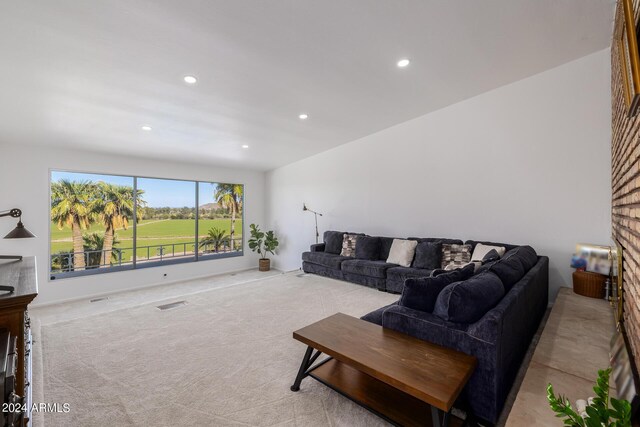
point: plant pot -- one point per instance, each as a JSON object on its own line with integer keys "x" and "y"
{"x": 264, "y": 264}
{"x": 589, "y": 284}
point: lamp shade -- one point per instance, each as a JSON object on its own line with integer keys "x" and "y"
{"x": 19, "y": 232}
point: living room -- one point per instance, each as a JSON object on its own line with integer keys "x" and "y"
{"x": 319, "y": 213}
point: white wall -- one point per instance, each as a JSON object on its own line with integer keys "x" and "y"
{"x": 24, "y": 175}
{"x": 526, "y": 163}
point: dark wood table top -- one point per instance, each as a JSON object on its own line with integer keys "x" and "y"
{"x": 429, "y": 372}
{"x": 22, "y": 276}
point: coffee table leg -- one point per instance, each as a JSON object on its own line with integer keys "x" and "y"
{"x": 445, "y": 419}
{"x": 435, "y": 417}
{"x": 303, "y": 368}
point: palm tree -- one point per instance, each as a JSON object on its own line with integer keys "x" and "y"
{"x": 230, "y": 196}
{"x": 113, "y": 208}
{"x": 71, "y": 206}
{"x": 215, "y": 237}
{"x": 93, "y": 244}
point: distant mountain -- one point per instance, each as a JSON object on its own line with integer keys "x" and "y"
{"x": 209, "y": 206}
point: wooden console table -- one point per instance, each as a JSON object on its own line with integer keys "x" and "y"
{"x": 573, "y": 346}
{"x": 13, "y": 316}
{"x": 400, "y": 378}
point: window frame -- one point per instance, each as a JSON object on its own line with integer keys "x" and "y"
{"x": 134, "y": 265}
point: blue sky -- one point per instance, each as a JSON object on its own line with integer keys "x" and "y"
{"x": 157, "y": 192}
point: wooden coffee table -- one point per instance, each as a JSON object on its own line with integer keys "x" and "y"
{"x": 398, "y": 377}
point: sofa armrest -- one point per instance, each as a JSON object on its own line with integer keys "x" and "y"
{"x": 318, "y": 247}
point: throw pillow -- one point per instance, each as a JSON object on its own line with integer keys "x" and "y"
{"x": 528, "y": 256}
{"x": 492, "y": 255}
{"x": 509, "y": 269}
{"x": 467, "y": 301}
{"x": 481, "y": 250}
{"x": 333, "y": 242}
{"x": 402, "y": 252}
{"x": 367, "y": 247}
{"x": 455, "y": 254}
{"x": 422, "y": 293}
{"x": 428, "y": 255}
{"x": 349, "y": 245}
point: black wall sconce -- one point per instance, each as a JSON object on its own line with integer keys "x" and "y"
{"x": 17, "y": 233}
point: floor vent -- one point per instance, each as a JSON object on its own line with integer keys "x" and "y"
{"x": 171, "y": 305}
{"x": 99, "y": 299}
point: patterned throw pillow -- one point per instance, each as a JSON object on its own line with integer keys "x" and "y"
{"x": 349, "y": 245}
{"x": 455, "y": 254}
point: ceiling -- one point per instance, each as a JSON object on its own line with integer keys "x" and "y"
{"x": 89, "y": 74}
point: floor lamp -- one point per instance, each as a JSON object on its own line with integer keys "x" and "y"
{"x": 305, "y": 208}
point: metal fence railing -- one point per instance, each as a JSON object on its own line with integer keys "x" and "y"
{"x": 63, "y": 262}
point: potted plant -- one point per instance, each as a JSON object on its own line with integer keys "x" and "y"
{"x": 263, "y": 243}
{"x": 597, "y": 413}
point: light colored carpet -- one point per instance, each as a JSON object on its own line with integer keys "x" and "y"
{"x": 227, "y": 358}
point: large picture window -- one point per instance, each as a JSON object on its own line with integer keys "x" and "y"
{"x": 98, "y": 225}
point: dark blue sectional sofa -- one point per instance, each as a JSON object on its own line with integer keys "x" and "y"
{"x": 499, "y": 336}
{"x": 375, "y": 273}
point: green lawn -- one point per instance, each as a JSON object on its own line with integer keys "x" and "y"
{"x": 151, "y": 233}
{"x": 65, "y": 233}
{"x": 158, "y": 228}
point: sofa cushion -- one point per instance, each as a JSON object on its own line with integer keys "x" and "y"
{"x": 402, "y": 252}
{"x": 509, "y": 269}
{"x": 325, "y": 259}
{"x": 385, "y": 247}
{"x": 467, "y": 301}
{"x": 366, "y": 267}
{"x": 367, "y": 247}
{"x": 376, "y": 315}
{"x": 428, "y": 255}
{"x": 333, "y": 241}
{"x": 527, "y": 255}
{"x": 404, "y": 273}
{"x": 481, "y": 250}
{"x": 349, "y": 245}
{"x": 422, "y": 293}
{"x": 455, "y": 254}
{"x": 490, "y": 256}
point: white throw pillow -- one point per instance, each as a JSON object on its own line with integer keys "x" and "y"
{"x": 402, "y": 252}
{"x": 481, "y": 250}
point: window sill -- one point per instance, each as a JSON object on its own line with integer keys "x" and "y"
{"x": 142, "y": 265}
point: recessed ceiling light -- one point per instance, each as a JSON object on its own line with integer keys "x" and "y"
{"x": 303, "y": 116}
{"x": 190, "y": 80}
{"x": 403, "y": 63}
{"x": 145, "y": 127}
{"x": 245, "y": 146}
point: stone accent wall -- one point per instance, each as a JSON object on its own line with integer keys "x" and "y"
{"x": 625, "y": 204}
